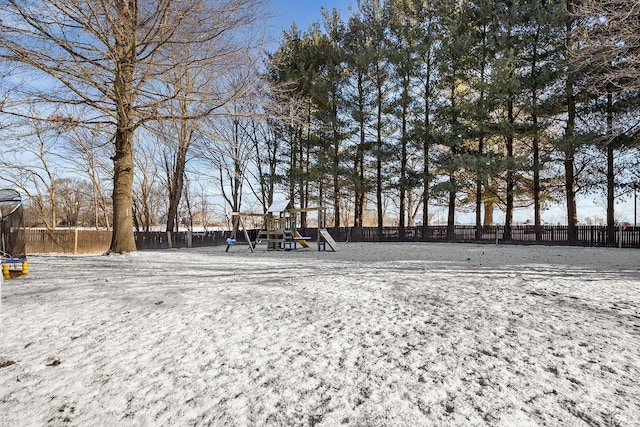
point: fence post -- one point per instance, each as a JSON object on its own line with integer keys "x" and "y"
{"x": 75, "y": 241}
{"x": 620, "y": 236}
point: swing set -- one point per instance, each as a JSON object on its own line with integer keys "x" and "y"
{"x": 279, "y": 228}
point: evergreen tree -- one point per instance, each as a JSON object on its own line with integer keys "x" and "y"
{"x": 541, "y": 67}
{"x": 453, "y": 70}
{"x": 404, "y": 34}
{"x": 482, "y": 26}
{"x": 507, "y": 86}
{"x": 570, "y": 142}
{"x": 373, "y": 16}
{"x": 359, "y": 98}
{"x": 330, "y": 103}
{"x": 428, "y": 22}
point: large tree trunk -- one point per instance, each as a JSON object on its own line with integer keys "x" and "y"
{"x": 358, "y": 166}
{"x": 570, "y": 192}
{"x": 379, "y": 154}
{"x": 303, "y": 168}
{"x": 488, "y": 213}
{"x": 536, "y": 140}
{"x": 451, "y": 217}
{"x": 123, "y": 239}
{"x": 481, "y": 167}
{"x": 536, "y": 181}
{"x": 611, "y": 181}
{"x": 508, "y": 221}
{"x": 479, "y": 180}
{"x": 403, "y": 159}
{"x": 611, "y": 218}
{"x": 336, "y": 178}
{"x": 426, "y": 145}
{"x": 570, "y": 144}
{"x": 336, "y": 202}
{"x": 359, "y": 187}
{"x": 176, "y": 186}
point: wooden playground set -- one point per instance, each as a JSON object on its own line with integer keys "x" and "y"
{"x": 279, "y": 228}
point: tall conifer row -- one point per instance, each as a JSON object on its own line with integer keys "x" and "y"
{"x": 459, "y": 104}
{"x": 453, "y": 59}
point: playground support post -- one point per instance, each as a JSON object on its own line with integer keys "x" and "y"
{"x": 240, "y": 223}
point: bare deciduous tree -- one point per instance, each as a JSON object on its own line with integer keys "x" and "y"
{"x": 202, "y": 89}
{"x": 226, "y": 147}
{"x": 611, "y": 54}
{"x": 85, "y": 152}
{"x": 148, "y": 195}
{"x": 73, "y": 198}
{"x": 33, "y": 166}
{"x": 110, "y": 55}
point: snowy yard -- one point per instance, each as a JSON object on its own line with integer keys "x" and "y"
{"x": 376, "y": 334}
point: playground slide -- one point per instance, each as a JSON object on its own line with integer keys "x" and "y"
{"x": 327, "y": 237}
{"x": 302, "y": 242}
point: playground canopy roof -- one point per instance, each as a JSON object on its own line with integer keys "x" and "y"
{"x": 280, "y": 206}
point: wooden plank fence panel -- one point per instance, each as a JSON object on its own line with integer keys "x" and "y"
{"x": 50, "y": 241}
{"x": 70, "y": 241}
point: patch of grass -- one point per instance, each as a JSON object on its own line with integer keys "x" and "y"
{"x": 6, "y": 363}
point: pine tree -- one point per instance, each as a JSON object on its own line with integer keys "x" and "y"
{"x": 428, "y": 22}
{"x": 482, "y": 26}
{"x": 541, "y": 68}
{"x": 373, "y": 13}
{"x": 359, "y": 99}
{"x": 453, "y": 70}
{"x": 404, "y": 40}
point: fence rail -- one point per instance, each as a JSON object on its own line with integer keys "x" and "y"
{"x": 71, "y": 241}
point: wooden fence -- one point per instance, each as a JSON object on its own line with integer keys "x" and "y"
{"x": 69, "y": 241}
{"x": 599, "y": 236}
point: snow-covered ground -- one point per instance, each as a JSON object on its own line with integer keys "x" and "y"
{"x": 375, "y": 334}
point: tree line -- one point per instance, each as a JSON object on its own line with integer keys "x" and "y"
{"x": 471, "y": 105}
{"x": 382, "y": 115}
